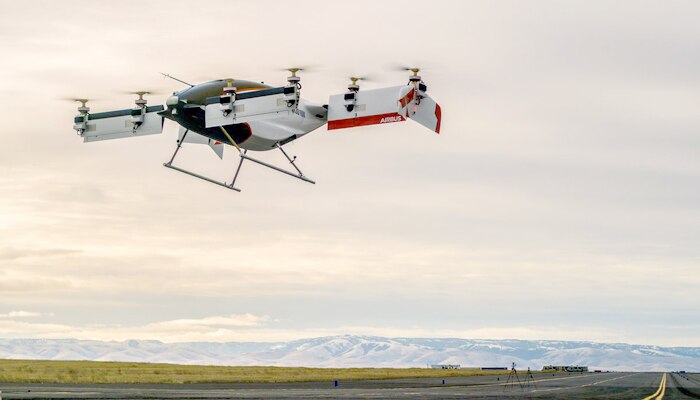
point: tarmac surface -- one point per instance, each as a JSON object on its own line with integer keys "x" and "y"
{"x": 615, "y": 385}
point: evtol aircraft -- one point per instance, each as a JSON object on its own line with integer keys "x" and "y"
{"x": 252, "y": 116}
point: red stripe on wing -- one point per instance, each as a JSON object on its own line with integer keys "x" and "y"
{"x": 368, "y": 120}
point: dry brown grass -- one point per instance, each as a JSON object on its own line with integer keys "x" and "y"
{"x": 37, "y": 371}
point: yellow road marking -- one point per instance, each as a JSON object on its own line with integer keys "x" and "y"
{"x": 660, "y": 392}
{"x": 663, "y": 391}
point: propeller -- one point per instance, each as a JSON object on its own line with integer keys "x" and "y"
{"x": 402, "y": 67}
{"x": 295, "y": 69}
{"x": 414, "y": 70}
{"x": 83, "y": 108}
{"x": 229, "y": 88}
{"x": 141, "y": 102}
{"x": 415, "y": 78}
{"x": 81, "y": 100}
{"x": 355, "y": 79}
{"x": 294, "y": 79}
{"x": 142, "y": 93}
{"x": 353, "y": 86}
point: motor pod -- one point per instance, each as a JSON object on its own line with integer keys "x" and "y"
{"x": 138, "y": 113}
{"x": 350, "y": 98}
{"x": 291, "y": 94}
{"x": 228, "y": 99}
{"x": 172, "y": 102}
{"x": 417, "y": 81}
{"x": 291, "y": 91}
{"x": 80, "y": 123}
{"x": 80, "y": 120}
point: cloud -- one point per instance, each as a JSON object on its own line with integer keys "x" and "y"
{"x": 20, "y": 314}
{"x": 566, "y": 169}
{"x": 22, "y": 329}
{"x": 250, "y": 327}
{"x": 240, "y": 320}
{"x": 211, "y": 328}
{"x": 9, "y": 253}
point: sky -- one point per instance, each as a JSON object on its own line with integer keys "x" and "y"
{"x": 560, "y": 200}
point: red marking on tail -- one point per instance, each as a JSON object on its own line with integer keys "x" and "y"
{"x": 407, "y": 98}
{"x": 438, "y": 114}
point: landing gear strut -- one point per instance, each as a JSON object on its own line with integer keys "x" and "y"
{"x": 243, "y": 156}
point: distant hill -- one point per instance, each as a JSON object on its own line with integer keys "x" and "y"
{"x": 365, "y": 351}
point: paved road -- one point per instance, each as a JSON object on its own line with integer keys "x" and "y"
{"x": 575, "y": 386}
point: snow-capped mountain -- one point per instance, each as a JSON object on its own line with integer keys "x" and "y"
{"x": 366, "y": 351}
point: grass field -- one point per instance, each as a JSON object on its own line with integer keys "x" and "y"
{"x": 34, "y": 371}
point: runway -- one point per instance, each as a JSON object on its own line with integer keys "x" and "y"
{"x": 646, "y": 385}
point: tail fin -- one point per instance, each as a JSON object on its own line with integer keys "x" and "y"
{"x": 422, "y": 109}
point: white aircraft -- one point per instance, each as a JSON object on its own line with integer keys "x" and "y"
{"x": 252, "y": 116}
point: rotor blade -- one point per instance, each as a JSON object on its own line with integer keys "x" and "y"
{"x": 299, "y": 68}
{"x": 363, "y": 78}
{"x": 398, "y": 67}
{"x": 402, "y": 67}
{"x": 76, "y": 99}
{"x": 144, "y": 92}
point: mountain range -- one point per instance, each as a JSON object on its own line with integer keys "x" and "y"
{"x": 365, "y": 351}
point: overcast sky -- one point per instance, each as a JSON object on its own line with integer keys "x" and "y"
{"x": 560, "y": 201}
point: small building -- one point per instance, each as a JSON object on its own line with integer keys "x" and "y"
{"x": 445, "y": 366}
{"x": 565, "y": 368}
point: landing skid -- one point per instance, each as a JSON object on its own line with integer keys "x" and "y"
{"x": 190, "y": 173}
{"x": 243, "y": 154}
{"x": 298, "y": 175}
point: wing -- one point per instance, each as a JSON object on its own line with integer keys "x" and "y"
{"x": 251, "y": 106}
{"x": 382, "y": 106}
{"x": 119, "y": 124}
